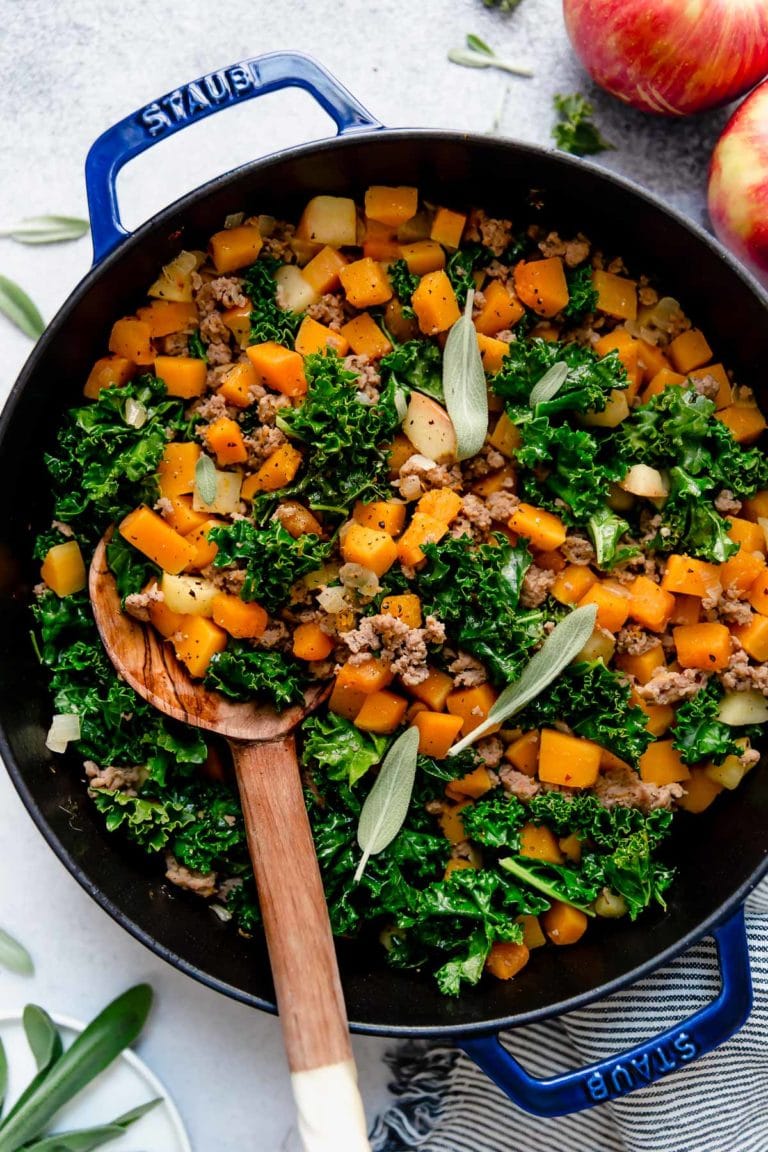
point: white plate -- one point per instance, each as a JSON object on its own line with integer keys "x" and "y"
{"x": 124, "y": 1085}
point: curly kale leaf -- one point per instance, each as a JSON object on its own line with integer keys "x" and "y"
{"x": 268, "y": 320}
{"x": 495, "y": 820}
{"x": 419, "y": 365}
{"x": 567, "y": 464}
{"x": 131, "y": 569}
{"x": 462, "y": 265}
{"x": 151, "y": 823}
{"x": 105, "y": 466}
{"x": 273, "y": 559}
{"x": 195, "y": 346}
{"x": 606, "y": 530}
{"x": 345, "y": 752}
{"x": 582, "y": 295}
{"x": 554, "y": 881}
{"x": 242, "y": 672}
{"x": 404, "y": 284}
{"x": 62, "y": 620}
{"x": 697, "y": 733}
{"x": 689, "y": 522}
{"x": 589, "y": 383}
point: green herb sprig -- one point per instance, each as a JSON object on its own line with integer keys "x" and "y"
{"x": 478, "y": 54}
{"x": 575, "y": 132}
{"x": 466, "y": 394}
{"x": 17, "y": 307}
{"x": 46, "y": 229}
{"x": 386, "y": 805}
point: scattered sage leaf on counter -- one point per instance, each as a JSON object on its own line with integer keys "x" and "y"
{"x": 46, "y": 229}
{"x": 475, "y": 44}
{"x": 19, "y": 309}
{"x": 14, "y": 956}
{"x": 205, "y": 479}
{"x": 558, "y": 650}
{"x": 464, "y": 384}
{"x": 42, "y": 1036}
{"x": 386, "y": 805}
{"x": 549, "y": 385}
{"x": 575, "y": 132}
{"x": 478, "y": 54}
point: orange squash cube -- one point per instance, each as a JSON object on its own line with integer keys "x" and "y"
{"x": 392, "y": 206}
{"x": 423, "y": 529}
{"x": 166, "y": 622}
{"x": 311, "y": 643}
{"x": 108, "y": 372}
{"x": 382, "y": 712}
{"x": 741, "y": 571}
{"x": 434, "y": 690}
{"x": 687, "y": 610}
{"x": 196, "y": 642}
{"x": 182, "y": 516}
{"x": 365, "y": 283}
{"x": 506, "y": 959}
{"x": 539, "y": 843}
{"x": 423, "y": 256}
{"x": 496, "y": 482}
{"x": 150, "y": 534}
{"x": 176, "y": 470}
{"x": 167, "y": 316}
{"x": 651, "y": 360}
{"x": 567, "y": 760}
{"x": 533, "y": 937}
{"x": 474, "y": 784}
{"x": 616, "y": 296}
{"x": 749, "y": 536}
{"x": 700, "y": 791}
{"x": 370, "y": 548}
{"x": 447, "y": 227}
{"x": 664, "y": 378}
{"x": 492, "y": 352}
{"x": 380, "y": 242}
{"x": 183, "y": 376}
{"x": 451, "y": 823}
{"x": 63, "y": 568}
{"x": 758, "y": 593}
{"x": 753, "y": 637}
{"x": 661, "y": 764}
{"x": 572, "y": 583}
{"x": 690, "y": 577}
{"x": 501, "y": 309}
{"x": 628, "y": 349}
{"x": 437, "y": 733}
{"x": 541, "y": 285}
{"x": 365, "y": 338}
{"x": 322, "y": 271}
{"x": 746, "y": 422}
{"x": 235, "y": 247}
{"x": 506, "y": 437}
{"x": 543, "y": 529}
{"x": 238, "y": 320}
{"x": 650, "y": 605}
{"x": 225, "y": 441}
{"x": 276, "y": 471}
{"x": 314, "y": 337}
{"x": 689, "y": 350}
{"x": 442, "y": 503}
{"x": 204, "y": 549}
{"x": 370, "y": 676}
{"x": 643, "y": 665}
{"x": 382, "y": 515}
{"x": 435, "y": 304}
{"x": 613, "y": 602}
{"x": 237, "y": 385}
{"x": 706, "y": 646}
{"x": 131, "y": 339}
{"x": 345, "y": 701}
{"x": 405, "y": 607}
{"x": 563, "y": 923}
{"x": 278, "y": 368}
{"x": 756, "y": 507}
{"x": 241, "y": 619}
{"x": 523, "y": 753}
{"x": 472, "y": 704}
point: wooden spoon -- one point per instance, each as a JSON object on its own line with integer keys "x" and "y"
{"x": 293, "y": 908}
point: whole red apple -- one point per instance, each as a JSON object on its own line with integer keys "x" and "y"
{"x": 672, "y": 57}
{"x": 738, "y": 183}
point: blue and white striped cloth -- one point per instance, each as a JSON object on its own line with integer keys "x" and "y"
{"x": 717, "y": 1104}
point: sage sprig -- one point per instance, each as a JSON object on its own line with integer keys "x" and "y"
{"x": 14, "y": 956}
{"x": 563, "y": 643}
{"x": 549, "y": 385}
{"x": 46, "y": 229}
{"x": 464, "y": 385}
{"x": 478, "y": 54}
{"x": 19, "y": 309}
{"x": 386, "y": 805}
{"x": 205, "y": 479}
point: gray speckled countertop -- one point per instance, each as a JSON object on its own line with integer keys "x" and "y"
{"x": 70, "y": 70}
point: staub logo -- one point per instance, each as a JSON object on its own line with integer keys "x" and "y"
{"x": 639, "y": 1070}
{"x": 217, "y": 88}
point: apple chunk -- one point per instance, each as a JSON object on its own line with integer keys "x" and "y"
{"x": 430, "y": 429}
{"x": 329, "y": 220}
{"x": 294, "y": 292}
{"x": 642, "y": 480}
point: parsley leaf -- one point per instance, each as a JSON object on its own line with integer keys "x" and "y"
{"x": 575, "y": 131}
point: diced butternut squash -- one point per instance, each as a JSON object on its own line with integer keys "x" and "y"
{"x": 176, "y": 470}
{"x": 700, "y": 791}
{"x": 474, "y": 784}
{"x": 437, "y": 733}
{"x": 501, "y": 309}
{"x": 225, "y": 441}
{"x": 369, "y": 547}
{"x": 551, "y": 559}
{"x": 196, "y": 642}
{"x": 472, "y": 704}
{"x": 567, "y": 760}
{"x": 616, "y": 296}
{"x": 612, "y": 600}
{"x": 523, "y": 753}
{"x": 643, "y": 665}
{"x": 447, "y": 227}
{"x": 164, "y": 619}
{"x": 365, "y": 338}
{"x": 405, "y": 607}
{"x": 497, "y": 482}
{"x": 380, "y": 242}
{"x": 452, "y": 824}
{"x": 746, "y": 422}
{"x": 423, "y": 529}
{"x": 543, "y": 529}
{"x": 391, "y": 205}
{"x": 506, "y": 959}
{"x": 238, "y": 320}
{"x": 572, "y": 583}
{"x": 276, "y": 471}
{"x": 689, "y": 350}
{"x": 756, "y": 507}
{"x": 571, "y": 846}
{"x": 314, "y": 337}
{"x": 322, "y": 271}
{"x": 63, "y": 568}
{"x": 753, "y": 637}
{"x": 717, "y": 372}
{"x": 750, "y": 536}
{"x": 182, "y": 516}
{"x": 540, "y": 843}
{"x": 365, "y": 283}
{"x": 237, "y": 385}
{"x": 435, "y": 304}
{"x": 689, "y": 577}
{"x": 131, "y": 339}
{"x": 740, "y": 572}
{"x": 664, "y": 378}
{"x": 687, "y": 609}
{"x": 434, "y": 690}
{"x": 650, "y": 605}
{"x": 150, "y": 534}
{"x": 628, "y": 349}
{"x": 423, "y": 256}
{"x": 533, "y": 937}
{"x": 382, "y": 712}
{"x": 442, "y": 503}
{"x": 311, "y": 643}
{"x": 706, "y": 646}
{"x": 167, "y": 316}
{"x": 541, "y": 285}
{"x": 661, "y": 764}
{"x": 563, "y": 923}
{"x": 383, "y": 515}
{"x": 241, "y": 619}
{"x": 108, "y": 372}
{"x": 505, "y": 437}
{"x": 278, "y": 368}
{"x": 370, "y": 676}
{"x": 329, "y": 220}
{"x": 660, "y": 717}
{"x": 401, "y": 326}
{"x": 235, "y": 248}
{"x": 651, "y": 360}
{"x": 345, "y": 701}
{"x": 183, "y": 376}
{"x": 204, "y": 548}
{"x": 758, "y": 593}
{"x": 492, "y": 352}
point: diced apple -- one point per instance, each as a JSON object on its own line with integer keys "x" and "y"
{"x": 294, "y": 292}
{"x": 730, "y": 773}
{"x": 430, "y": 429}
{"x": 329, "y": 220}
{"x": 641, "y": 480}
{"x": 600, "y": 646}
{"x": 739, "y": 708}
{"x": 616, "y": 410}
{"x": 188, "y": 595}
{"x": 227, "y": 498}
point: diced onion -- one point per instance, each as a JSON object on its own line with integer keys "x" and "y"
{"x": 234, "y": 220}
{"x": 401, "y": 404}
{"x": 333, "y": 600}
{"x": 223, "y": 913}
{"x": 65, "y": 727}
{"x": 363, "y": 580}
{"x": 135, "y": 413}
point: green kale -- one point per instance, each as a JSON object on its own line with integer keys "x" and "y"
{"x": 196, "y": 347}
{"x": 697, "y": 733}
{"x": 105, "y": 466}
{"x": 404, "y": 284}
{"x": 419, "y": 365}
{"x": 46, "y": 540}
{"x": 567, "y": 464}
{"x": 344, "y": 751}
{"x": 582, "y": 295}
{"x": 130, "y": 568}
{"x": 151, "y": 823}
{"x": 574, "y": 132}
{"x": 555, "y": 881}
{"x": 62, "y": 621}
{"x": 589, "y": 383}
{"x": 268, "y": 320}
{"x": 273, "y": 559}
{"x": 606, "y": 529}
{"x": 689, "y": 522}
{"x": 495, "y": 820}
{"x": 242, "y": 672}
{"x": 462, "y": 265}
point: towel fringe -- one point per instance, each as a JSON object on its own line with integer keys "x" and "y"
{"x": 422, "y": 1078}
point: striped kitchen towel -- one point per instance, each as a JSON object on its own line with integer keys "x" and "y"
{"x": 717, "y": 1104}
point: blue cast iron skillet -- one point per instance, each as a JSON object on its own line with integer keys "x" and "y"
{"x": 720, "y": 855}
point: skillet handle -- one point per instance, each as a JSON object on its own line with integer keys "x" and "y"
{"x": 192, "y": 102}
{"x": 639, "y": 1066}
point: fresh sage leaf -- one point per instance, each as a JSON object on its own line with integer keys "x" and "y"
{"x": 46, "y": 229}
{"x": 464, "y": 385}
{"x": 386, "y": 805}
{"x": 475, "y": 44}
{"x": 42, "y": 1036}
{"x": 478, "y": 54}
{"x": 19, "y": 309}
{"x": 558, "y": 650}
{"x": 549, "y": 385}
{"x": 86, "y": 1139}
{"x": 91, "y": 1052}
{"x": 14, "y": 956}
{"x": 205, "y": 479}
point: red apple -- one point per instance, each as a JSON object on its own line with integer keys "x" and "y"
{"x": 738, "y": 183}
{"x": 672, "y": 57}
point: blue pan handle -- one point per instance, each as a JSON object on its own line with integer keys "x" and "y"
{"x": 637, "y": 1067}
{"x": 192, "y": 102}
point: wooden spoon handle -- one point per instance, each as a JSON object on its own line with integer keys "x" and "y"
{"x": 301, "y": 949}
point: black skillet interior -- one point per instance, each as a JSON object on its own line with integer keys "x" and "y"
{"x": 719, "y": 854}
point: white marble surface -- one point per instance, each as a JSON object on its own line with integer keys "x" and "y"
{"x": 69, "y": 70}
